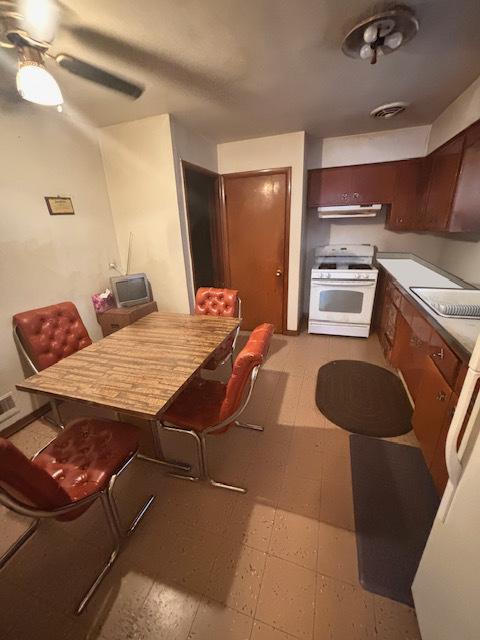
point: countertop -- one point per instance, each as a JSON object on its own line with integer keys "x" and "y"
{"x": 411, "y": 271}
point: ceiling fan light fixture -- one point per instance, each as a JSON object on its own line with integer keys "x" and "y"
{"x": 34, "y": 82}
{"x": 383, "y": 32}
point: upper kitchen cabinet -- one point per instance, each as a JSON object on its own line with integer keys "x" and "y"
{"x": 405, "y": 212}
{"x": 329, "y": 186}
{"x": 443, "y": 170}
{"x": 373, "y": 183}
{"x": 357, "y": 184}
{"x": 465, "y": 214}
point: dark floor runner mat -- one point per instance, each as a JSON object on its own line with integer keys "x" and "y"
{"x": 395, "y": 504}
{"x": 363, "y": 398}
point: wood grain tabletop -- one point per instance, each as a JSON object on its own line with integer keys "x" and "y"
{"x": 139, "y": 369}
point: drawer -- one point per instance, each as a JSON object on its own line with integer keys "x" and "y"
{"x": 444, "y": 358}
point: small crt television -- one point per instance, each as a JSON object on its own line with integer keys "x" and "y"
{"x": 130, "y": 290}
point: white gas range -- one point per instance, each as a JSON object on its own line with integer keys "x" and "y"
{"x": 342, "y": 290}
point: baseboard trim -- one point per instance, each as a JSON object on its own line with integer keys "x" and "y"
{"x": 26, "y": 420}
{"x": 290, "y": 332}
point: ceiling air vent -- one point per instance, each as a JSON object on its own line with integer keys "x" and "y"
{"x": 389, "y": 110}
{"x": 7, "y": 407}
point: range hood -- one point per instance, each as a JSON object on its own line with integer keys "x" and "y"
{"x": 350, "y": 211}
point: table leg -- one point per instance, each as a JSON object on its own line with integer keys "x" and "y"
{"x": 159, "y": 455}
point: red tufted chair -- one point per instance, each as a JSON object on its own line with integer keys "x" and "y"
{"x": 50, "y": 333}
{"x": 219, "y": 302}
{"x": 46, "y": 335}
{"x": 211, "y": 407}
{"x": 63, "y": 480}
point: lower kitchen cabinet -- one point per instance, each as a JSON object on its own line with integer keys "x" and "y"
{"x": 431, "y": 409}
{"x": 431, "y": 371}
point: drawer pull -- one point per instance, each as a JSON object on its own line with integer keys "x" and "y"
{"x": 441, "y": 396}
{"x": 439, "y": 354}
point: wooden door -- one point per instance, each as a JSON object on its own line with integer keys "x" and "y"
{"x": 466, "y": 206}
{"x": 404, "y": 213}
{"x": 256, "y": 214}
{"x": 431, "y": 409}
{"x": 444, "y": 168}
{"x": 328, "y": 187}
{"x": 373, "y": 183}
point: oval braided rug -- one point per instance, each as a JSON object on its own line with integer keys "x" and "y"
{"x": 363, "y": 398}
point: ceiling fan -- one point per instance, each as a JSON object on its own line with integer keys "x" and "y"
{"x": 29, "y": 26}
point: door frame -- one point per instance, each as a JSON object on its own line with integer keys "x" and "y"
{"x": 287, "y": 171}
{"x": 218, "y": 245}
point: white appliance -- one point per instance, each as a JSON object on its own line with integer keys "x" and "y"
{"x": 446, "y": 589}
{"x": 342, "y": 290}
{"x": 349, "y": 211}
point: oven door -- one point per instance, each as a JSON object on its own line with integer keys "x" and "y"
{"x": 342, "y": 301}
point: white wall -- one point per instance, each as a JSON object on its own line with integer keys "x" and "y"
{"x": 273, "y": 152}
{"x": 140, "y": 171}
{"x": 194, "y": 148}
{"x": 381, "y": 146}
{"x": 461, "y": 113}
{"x": 46, "y": 259}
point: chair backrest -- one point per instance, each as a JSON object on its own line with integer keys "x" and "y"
{"x": 21, "y": 476}
{"x": 216, "y": 302}
{"x": 51, "y": 333}
{"x": 251, "y": 356}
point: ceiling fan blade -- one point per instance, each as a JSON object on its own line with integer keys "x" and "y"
{"x": 100, "y": 76}
{"x": 40, "y": 18}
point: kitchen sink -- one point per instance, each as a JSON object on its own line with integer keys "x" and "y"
{"x": 450, "y": 303}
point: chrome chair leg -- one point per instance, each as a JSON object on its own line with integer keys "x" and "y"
{"x": 159, "y": 459}
{"x": 55, "y": 419}
{"x": 119, "y": 535}
{"x": 198, "y": 448}
{"x": 215, "y": 483}
{"x": 201, "y": 448}
{"x": 12, "y": 550}
{"x": 247, "y": 425}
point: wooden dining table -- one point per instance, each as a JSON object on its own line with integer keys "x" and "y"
{"x": 140, "y": 369}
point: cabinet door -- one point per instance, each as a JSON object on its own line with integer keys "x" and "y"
{"x": 329, "y": 186}
{"x": 445, "y": 165}
{"x": 411, "y": 351}
{"x": 373, "y": 183}
{"x": 406, "y": 205}
{"x": 466, "y": 205}
{"x": 431, "y": 407}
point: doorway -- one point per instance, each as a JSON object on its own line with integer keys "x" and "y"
{"x": 256, "y": 213}
{"x": 202, "y": 207}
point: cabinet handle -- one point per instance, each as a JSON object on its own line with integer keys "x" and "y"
{"x": 441, "y": 396}
{"x": 439, "y": 354}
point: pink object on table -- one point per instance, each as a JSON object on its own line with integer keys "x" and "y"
{"x": 103, "y": 301}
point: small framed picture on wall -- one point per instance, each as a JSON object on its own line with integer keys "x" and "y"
{"x": 59, "y": 206}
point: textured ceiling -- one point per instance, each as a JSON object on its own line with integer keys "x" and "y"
{"x": 233, "y": 69}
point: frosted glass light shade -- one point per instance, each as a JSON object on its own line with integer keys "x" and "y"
{"x": 36, "y": 84}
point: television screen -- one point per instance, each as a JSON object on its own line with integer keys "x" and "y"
{"x": 131, "y": 289}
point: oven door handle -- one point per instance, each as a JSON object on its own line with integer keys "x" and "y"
{"x": 343, "y": 283}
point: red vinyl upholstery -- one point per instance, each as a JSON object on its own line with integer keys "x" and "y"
{"x": 51, "y": 333}
{"x": 217, "y": 302}
{"x": 77, "y": 463}
{"x": 205, "y": 403}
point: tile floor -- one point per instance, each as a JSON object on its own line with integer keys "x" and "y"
{"x": 278, "y": 563}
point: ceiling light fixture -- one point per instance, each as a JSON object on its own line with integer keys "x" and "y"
{"x": 381, "y": 34}
{"x": 34, "y": 82}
